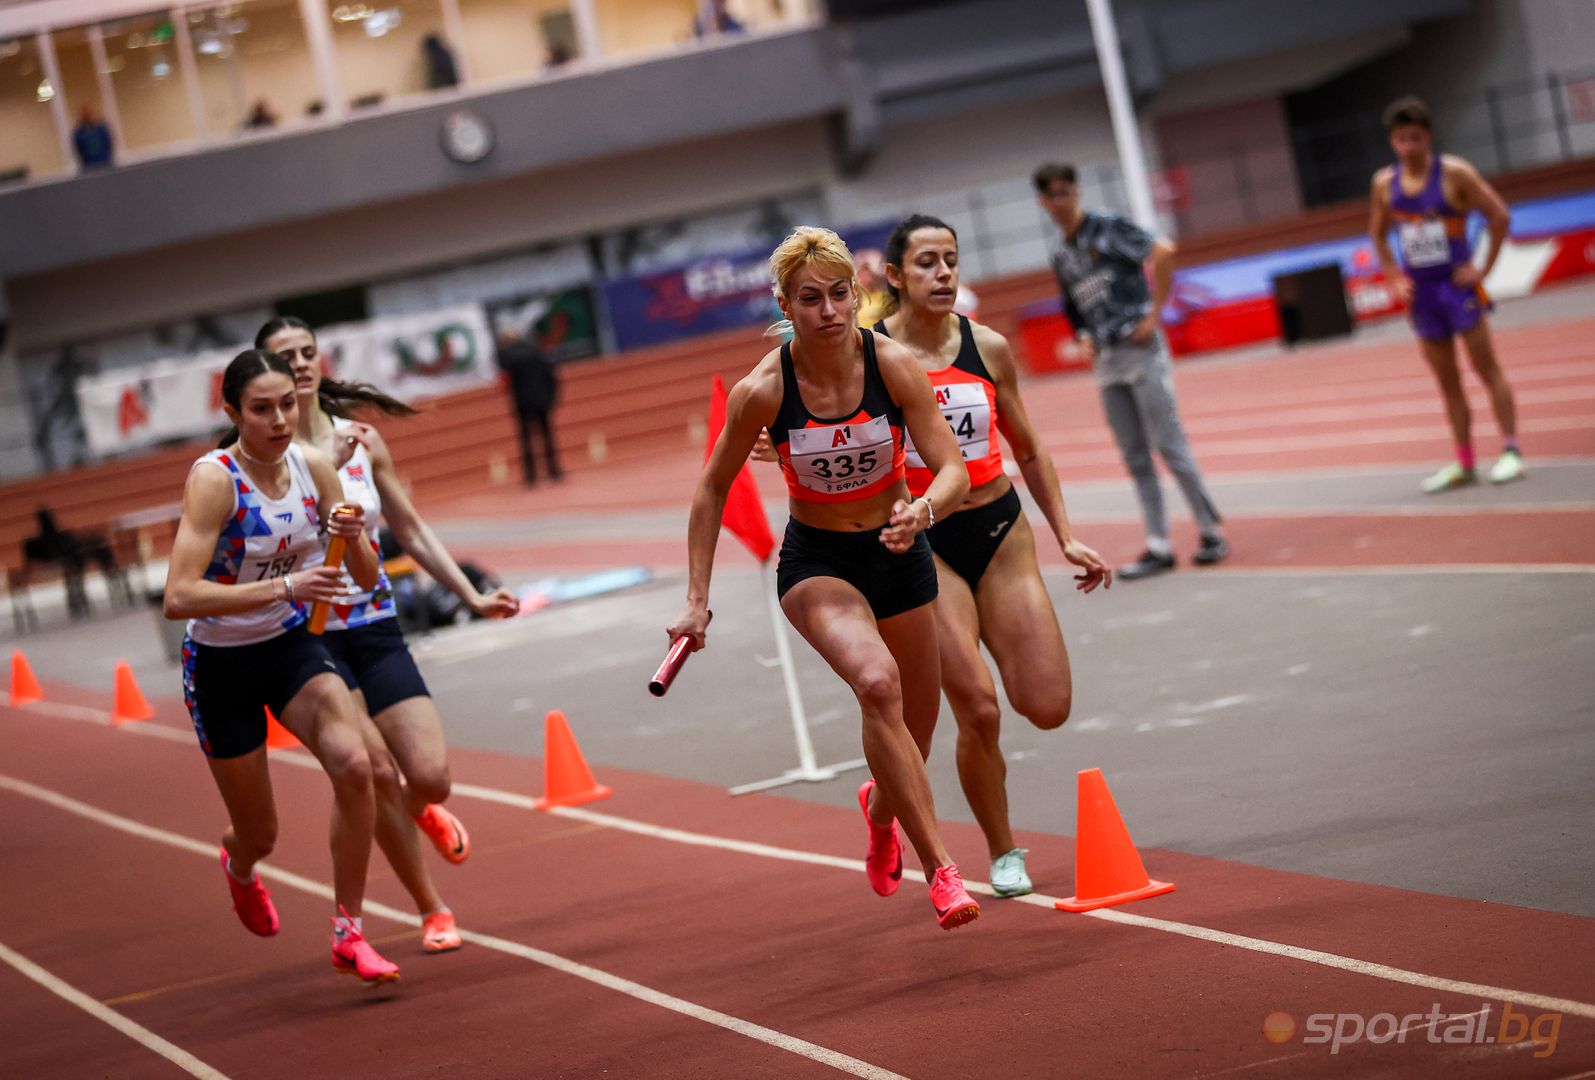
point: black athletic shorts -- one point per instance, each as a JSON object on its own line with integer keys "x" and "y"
{"x": 891, "y": 583}
{"x": 228, "y": 687}
{"x": 967, "y": 540}
{"x": 375, "y": 660}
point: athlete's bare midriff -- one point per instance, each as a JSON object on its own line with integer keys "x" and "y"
{"x": 986, "y": 493}
{"x": 861, "y": 515}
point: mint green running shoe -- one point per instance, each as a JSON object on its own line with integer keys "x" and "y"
{"x": 1008, "y": 877}
{"x": 1447, "y": 479}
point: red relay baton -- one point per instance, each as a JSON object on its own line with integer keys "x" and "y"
{"x": 675, "y": 659}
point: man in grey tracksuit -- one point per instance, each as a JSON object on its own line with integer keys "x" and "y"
{"x": 1099, "y": 260}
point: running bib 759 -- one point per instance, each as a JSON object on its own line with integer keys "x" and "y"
{"x": 1424, "y": 243}
{"x": 840, "y": 457}
{"x": 968, "y": 413}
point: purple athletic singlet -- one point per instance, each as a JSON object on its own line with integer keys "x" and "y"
{"x": 1433, "y": 239}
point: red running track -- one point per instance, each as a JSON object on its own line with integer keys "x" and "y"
{"x": 800, "y": 949}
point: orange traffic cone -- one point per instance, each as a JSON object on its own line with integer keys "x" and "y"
{"x": 130, "y": 704}
{"x": 277, "y": 736}
{"x": 25, "y": 689}
{"x": 1107, "y": 868}
{"x": 567, "y": 779}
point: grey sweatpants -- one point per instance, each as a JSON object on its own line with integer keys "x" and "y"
{"x": 1137, "y": 384}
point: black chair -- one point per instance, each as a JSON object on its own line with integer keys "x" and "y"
{"x": 71, "y": 552}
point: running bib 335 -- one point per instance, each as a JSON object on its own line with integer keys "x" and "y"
{"x": 840, "y": 457}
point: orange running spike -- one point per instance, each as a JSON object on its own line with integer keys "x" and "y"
{"x": 25, "y": 688}
{"x": 1107, "y": 868}
{"x": 567, "y": 779}
{"x": 130, "y": 704}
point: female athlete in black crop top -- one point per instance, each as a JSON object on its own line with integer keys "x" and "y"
{"x": 856, "y": 574}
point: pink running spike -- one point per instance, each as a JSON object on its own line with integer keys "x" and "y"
{"x": 252, "y": 902}
{"x": 883, "y": 866}
{"x": 954, "y": 905}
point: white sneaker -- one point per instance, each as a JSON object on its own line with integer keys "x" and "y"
{"x": 1008, "y": 877}
{"x": 1451, "y": 477}
{"x": 1507, "y": 467}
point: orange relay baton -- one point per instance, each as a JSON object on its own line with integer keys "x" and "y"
{"x": 335, "y": 547}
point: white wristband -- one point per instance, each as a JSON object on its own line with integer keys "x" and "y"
{"x": 929, "y": 509}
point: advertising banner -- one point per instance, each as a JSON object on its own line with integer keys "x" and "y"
{"x": 718, "y": 292}
{"x": 412, "y": 357}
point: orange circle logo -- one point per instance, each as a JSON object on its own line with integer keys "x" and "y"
{"x": 1278, "y": 1027}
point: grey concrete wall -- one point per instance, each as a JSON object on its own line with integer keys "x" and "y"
{"x": 388, "y": 239}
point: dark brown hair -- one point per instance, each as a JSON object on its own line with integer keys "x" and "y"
{"x": 897, "y": 245}
{"x": 1407, "y": 110}
{"x": 1047, "y": 175}
{"x": 245, "y": 368}
{"x": 336, "y": 398}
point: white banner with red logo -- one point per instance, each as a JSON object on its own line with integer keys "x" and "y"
{"x": 412, "y": 357}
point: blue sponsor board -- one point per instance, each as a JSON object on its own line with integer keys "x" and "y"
{"x": 719, "y": 292}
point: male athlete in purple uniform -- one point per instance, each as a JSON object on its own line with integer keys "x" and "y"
{"x": 1426, "y": 197}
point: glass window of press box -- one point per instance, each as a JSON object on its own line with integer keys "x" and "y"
{"x": 633, "y": 27}
{"x": 254, "y": 65}
{"x": 81, "y": 96}
{"x": 139, "y": 57}
{"x": 514, "y": 39}
{"x": 389, "y": 49}
{"x": 31, "y": 147}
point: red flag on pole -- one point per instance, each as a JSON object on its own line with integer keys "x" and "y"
{"x": 744, "y": 512}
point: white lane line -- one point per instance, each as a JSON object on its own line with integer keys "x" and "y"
{"x": 1124, "y": 918}
{"x": 1265, "y": 1063}
{"x": 1347, "y": 963}
{"x": 780, "y": 1040}
{"x": 110, "y": 1017}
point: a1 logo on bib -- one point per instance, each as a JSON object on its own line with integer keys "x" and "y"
{"x": 840, "y": 457}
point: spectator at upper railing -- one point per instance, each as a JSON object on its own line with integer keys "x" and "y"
{"x": 558, "y": 54}
{"x": 440, "y": 69}
{"x": 92, "y": 140}
{"x": 260, "y": 116}
{"x": 720, "y": 21}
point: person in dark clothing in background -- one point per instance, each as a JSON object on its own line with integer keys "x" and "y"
{"x": 92, "y": 140}
{"x": 535, "y": 388}
{"x": 1114, "y": 302}
{"x": 441, "y": 71}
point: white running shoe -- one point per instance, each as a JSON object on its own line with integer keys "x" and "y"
{"x": 1008, "y": 877}
{"x": 1449, "y": 478}
{"x": 1507, "y": 467}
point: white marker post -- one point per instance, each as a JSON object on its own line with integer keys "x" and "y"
{"x": 807, "y": 770}
{"x": 1122, "y": 111}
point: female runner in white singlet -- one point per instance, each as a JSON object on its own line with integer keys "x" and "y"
{"x": 247, "y": 563}
{"x": 404, "y": 732}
